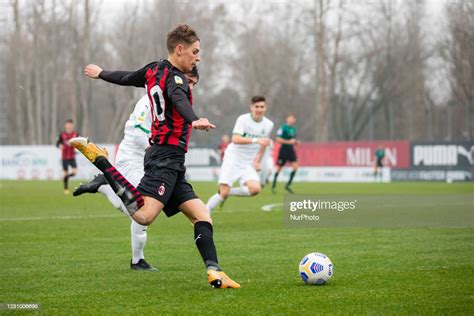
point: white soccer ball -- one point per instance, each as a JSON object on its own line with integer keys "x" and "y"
{"x": 316, "y": 268}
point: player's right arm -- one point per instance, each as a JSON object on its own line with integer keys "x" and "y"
{"x": 238, "y": 133}
{"x": 286, "y": 141}
{"x": 241, "y": 140}
{"x": 282, "y": 140}
{"x": 124, "y": 78}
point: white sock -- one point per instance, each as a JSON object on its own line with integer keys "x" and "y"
{"x": 138, "y": 233}
{"x": 113, "y": 199}
{"x": 214, "y": 200}
{"x": 240, "y": 191}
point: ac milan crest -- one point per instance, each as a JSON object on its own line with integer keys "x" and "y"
{"x": 161, "y": 189}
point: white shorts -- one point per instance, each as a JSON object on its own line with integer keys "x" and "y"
{"x": 131, "y": 169}
{"x": 233, "y": 170}
{"x": 133, "y": 173}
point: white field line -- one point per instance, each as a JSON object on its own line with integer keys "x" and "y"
{"x": 270, "y": 207}
{"x": 66, "y": 217}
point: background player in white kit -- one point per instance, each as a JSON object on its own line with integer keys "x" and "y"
{"x": 129, "y": 161}
{"x": 242, "y": 159}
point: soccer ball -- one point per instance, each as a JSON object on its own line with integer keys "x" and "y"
{"x": 315, "y": 268}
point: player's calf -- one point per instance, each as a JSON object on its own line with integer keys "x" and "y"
{"x": 129, "y": 195}
{"x": 218, "y": 198}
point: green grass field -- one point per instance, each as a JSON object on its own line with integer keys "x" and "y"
{"x": 71, "y": 255}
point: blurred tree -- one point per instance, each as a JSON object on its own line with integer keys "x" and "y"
{"x": 458, "y": 51}
{"x": 347, "y": 70}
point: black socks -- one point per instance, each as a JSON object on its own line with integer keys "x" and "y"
{"x": 129, "y": 195}
{"x": 292, "y": 175}
{"x": 205, "y": 244}
{"x": 274, "y": 180}
{"x": 66, "y": 180}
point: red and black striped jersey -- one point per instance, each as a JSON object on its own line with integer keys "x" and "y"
{"x": 67, "y": 151}
{"x": 170, "y": 97}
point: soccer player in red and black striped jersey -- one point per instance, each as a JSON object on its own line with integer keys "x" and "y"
{"x": 68, "y": 152}
{"x": 164, "y": 186}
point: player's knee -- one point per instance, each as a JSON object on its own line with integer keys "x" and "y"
{"x": 254, "y": 189}
{"x": 146, "y": 222}
{"x": 224, "y": 195}
{"x": 224, "y": 191}
{"x": 201, "y": 217}
{"x": 142, "y": 218}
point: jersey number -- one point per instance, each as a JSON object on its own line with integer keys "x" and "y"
{"x": 158, "y": 103}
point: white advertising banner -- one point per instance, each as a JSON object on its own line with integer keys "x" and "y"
{"x": 336, "y": 174}
{"x": 43, "y": 163}
{"x": 304, "y": 174}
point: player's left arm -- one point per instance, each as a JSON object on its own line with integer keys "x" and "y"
{"x": 261, "y": 151}
{"x": 257, "y": 162}
{"x": 177, "y": 87}
{"x": 59, "y": 141}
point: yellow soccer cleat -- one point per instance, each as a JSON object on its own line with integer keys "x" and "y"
{"x": 218, "y": 279}
{"x": 90, "y": 150}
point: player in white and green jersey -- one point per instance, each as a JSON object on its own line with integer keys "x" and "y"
{"x": 242, "y": 159}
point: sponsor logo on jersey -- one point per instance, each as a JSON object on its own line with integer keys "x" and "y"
{"x": 248, "y": 135}
{"x": 141, "y": 118}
